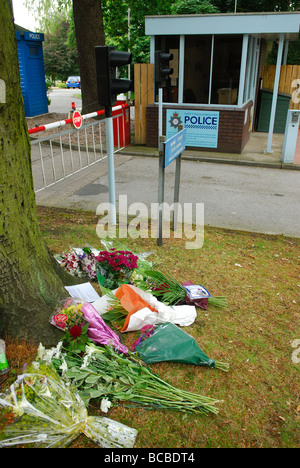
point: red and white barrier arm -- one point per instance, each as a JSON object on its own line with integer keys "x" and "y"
{"x": 61, "y": 123}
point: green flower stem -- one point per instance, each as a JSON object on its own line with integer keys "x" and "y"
{"x": 123, "y": 378}
{"x": 222, "y": 366}
{"x": 218, "y": 301}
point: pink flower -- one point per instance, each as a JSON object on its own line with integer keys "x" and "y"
{"x": 117, "y": 260}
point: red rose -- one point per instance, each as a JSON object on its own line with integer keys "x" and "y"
{"x": 75, "y": 331}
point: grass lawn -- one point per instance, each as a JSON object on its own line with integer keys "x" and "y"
{"x": 259, "y": 275}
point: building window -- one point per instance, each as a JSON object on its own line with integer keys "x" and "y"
{"x": 211, "y": 71}
{"x": 197, "y": 69}
{"x": 226, "y": 69}
{"x": 169, "y": 44}
{"x": 33, "y": 50}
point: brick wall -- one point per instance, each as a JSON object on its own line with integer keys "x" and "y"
{"x": 233, "y": 127}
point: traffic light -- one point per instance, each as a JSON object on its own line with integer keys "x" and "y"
{"x": 162, "y": 68}
{"x": 107, "y": 60}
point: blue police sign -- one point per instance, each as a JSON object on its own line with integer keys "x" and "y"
{"x": 33, "y": 36}
{"x": 202, "y": 127}
{"x": 174, "y": 146}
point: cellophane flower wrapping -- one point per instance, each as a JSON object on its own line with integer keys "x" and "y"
{"x": 67, "y": 313}
{"x": 99, "y": 331}
{"x": 41, "y": 410}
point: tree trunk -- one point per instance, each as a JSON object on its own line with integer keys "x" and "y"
{"x": 30, "y": 285}
{"x": 88, "y": 20}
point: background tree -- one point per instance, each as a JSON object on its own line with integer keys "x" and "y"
{"x": 30, "y": 279}
{"x": 115, "y": 24}
{"x": 246, "y": 6}
{"x": 183, "y": 7}
{"x": 116, "y": 27}
{"x": 47, "y": 11}
{"x": 293, "y": 57}
{"x": 60, "y": 56}
{"x": 88, "y": 21}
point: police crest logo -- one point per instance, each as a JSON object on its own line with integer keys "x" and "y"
{"x": 175, "y": 120}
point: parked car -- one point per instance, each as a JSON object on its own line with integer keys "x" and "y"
{"x": 73, "y": 82}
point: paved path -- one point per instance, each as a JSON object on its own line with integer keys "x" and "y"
{"x": 62, "y": 98}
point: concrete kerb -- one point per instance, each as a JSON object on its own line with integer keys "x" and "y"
{"x": 153, "y": 153}
{"x": 253, "y": 155}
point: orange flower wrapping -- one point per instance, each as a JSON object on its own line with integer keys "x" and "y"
{"x": 130, "y": 301}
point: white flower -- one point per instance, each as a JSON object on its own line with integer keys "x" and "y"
{"x": 47, "y": 355}
{"x": 41, "y": 351}
{"x": 89, "y": 351}
{"x": 105, "y": 405}
{"x": 63, "y": 366}
{"x": 19, "y": 409}
{"x": 57, "y": 350}
{"x": 85, "y": 363}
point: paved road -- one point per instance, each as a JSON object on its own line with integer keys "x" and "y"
{"x": 62, "y": 98}
{"x": 236, "y": 197}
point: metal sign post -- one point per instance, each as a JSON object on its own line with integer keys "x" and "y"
{"x": 161, "y": 169}
{"x": 161, "y": 71}
{"x": 176, "y": 193}
{"x": 169, "y": 151}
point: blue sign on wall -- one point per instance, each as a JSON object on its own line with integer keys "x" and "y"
{"x": 174, "y": 146}
{"x": 202, "y": 127}
{"x": 33, "y": 36}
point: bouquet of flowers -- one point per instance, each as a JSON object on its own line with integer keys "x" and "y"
{"x": 102, "y": 374}
{"x": 170, "y": 291}
{"x": 80, "y": 262}
{"x": 167, "y": 342}
{"x": 42, "y": 410}
{"x": 82, "y": 324}
{"x": 67, "y": 314}
{"x": 72, "y": 321}
{"x": 115, "y": 267}
{"x": 130, "y": 308}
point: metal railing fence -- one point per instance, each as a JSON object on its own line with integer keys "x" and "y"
{"x": 61, "y": 154}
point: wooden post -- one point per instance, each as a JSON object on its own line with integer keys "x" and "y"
{"x": 143, "y": 95}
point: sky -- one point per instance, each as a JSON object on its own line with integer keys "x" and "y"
{"x": 22, "y": 16}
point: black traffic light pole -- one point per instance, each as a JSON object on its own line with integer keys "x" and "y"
{"x": 107, "y": 60}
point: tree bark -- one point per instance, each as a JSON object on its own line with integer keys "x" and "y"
{"x": 88, "y": 20}
{"x": 30, "y": 282}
